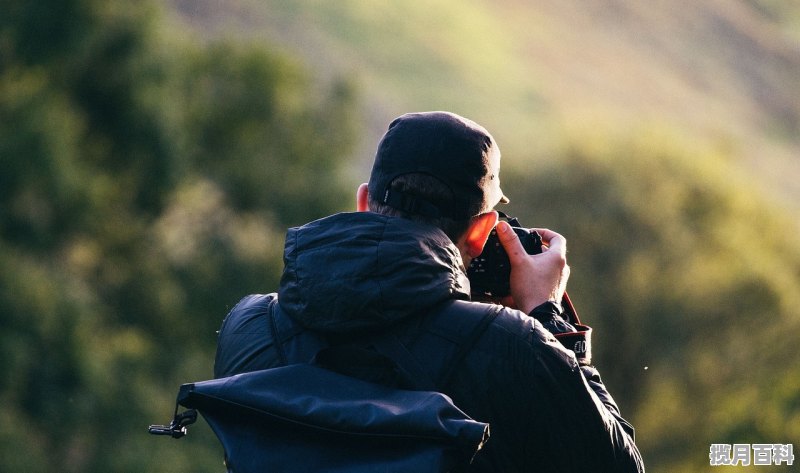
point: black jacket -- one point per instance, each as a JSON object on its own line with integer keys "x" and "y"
{"x": 356, "y": 272}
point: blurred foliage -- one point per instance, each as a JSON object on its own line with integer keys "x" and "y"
{"x": 146, "y": 181}
{"x": 145, "y": 185}
{"x": 692, "y": 285}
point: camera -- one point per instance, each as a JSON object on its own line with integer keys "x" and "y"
{"x": 489, "y": 273}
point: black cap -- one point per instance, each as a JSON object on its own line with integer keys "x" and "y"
{"x": 455, "y": 150}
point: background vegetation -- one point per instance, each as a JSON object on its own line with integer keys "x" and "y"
{"x": 151, "y": 159}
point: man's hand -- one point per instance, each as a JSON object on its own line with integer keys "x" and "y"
{"x": 535, "y": 279}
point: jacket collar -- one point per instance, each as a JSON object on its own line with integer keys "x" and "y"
{"x": 362, "y": 270}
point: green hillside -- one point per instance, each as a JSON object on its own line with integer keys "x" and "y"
{"x": 726, "y": 74}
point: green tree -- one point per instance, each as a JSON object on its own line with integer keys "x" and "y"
{"x": 145, "y": 184}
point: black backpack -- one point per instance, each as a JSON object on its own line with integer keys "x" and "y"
{"x": 384, "y": 415}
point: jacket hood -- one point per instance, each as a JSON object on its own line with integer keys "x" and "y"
{"x": 362, "y": 270}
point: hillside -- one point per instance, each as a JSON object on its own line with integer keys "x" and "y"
{"x": 718, "y": 74}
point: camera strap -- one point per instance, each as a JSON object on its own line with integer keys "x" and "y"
{"x": 580, "y": 342}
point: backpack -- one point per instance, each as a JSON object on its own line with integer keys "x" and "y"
{"x": 366, "y": 407}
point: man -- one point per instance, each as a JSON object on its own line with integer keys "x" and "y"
{"x": 424, "y": 215}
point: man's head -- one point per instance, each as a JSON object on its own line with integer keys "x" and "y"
{"x": 438, "y": 168}
{"x": 455, "y": 151}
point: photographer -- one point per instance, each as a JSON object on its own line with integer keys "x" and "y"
{"x": 426, "y": 212}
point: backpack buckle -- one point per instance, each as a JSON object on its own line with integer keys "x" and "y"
{"x": 177, "y": 428}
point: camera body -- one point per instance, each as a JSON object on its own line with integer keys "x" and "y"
{"x": 489, "y": 273}
{"x": 489, "y": 279}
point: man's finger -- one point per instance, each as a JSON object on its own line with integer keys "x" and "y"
{"x": 510, "y": 241}
{"x": 554, "y": 241}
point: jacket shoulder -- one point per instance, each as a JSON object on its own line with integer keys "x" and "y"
{"x": 509, "y": 328}
{"x": 257, "y": 334}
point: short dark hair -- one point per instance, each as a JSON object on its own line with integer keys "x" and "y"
{"x": 431, "y": 189}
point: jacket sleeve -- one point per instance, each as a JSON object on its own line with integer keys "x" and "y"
{"x": 599, "y": 429}
{"x": 550, "y": 316}
{"x": 550, "y": 414}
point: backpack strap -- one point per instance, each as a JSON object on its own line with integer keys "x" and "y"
{"x": 412, "y": 372}
{"x": 384, "y": 358}
{"x": 490, "y": 312}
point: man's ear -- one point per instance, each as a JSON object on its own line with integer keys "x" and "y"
{"x": 362, "y": 198}
{"x": 478, "y": 232}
